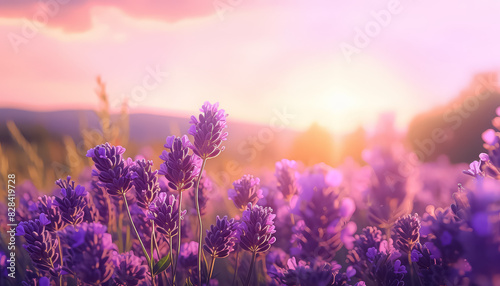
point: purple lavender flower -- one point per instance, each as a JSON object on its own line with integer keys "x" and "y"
{"x": 112, "y": 170}
{"x": 319, "y": 273}
{"x": 438, "y": 226}
{"x": 73, "y": 201}
{"x": 180, "y": 168}
{"x": 41, "y": 245}
{"x": 90, "y": 211}
{"x": 257, "y": 229}
{"x": 479, "y": 210}
{"x": 33, "y": 279}
{"x": 221, "y": 237}
{"x": 164, "y": 212}
{"x": 358, "y": 256}
{"x": 430, "y": 268}
{"x": 208, "y": 131}
{"x": 474, "y": 169}
{"x": 392, "y": 190}
{"x": 489, "y": 164}
{"x": 89, "y": 249}
{"x": 47, "y": 205}
{"x": 246, "y": 190}
{"x": 145, "y": 181}
{"x": 276, "y": 266}
{"x": 406, "y": 233}
{"x": 129, "y": 269}
{"x": 144, "y": 228}
{"x": 188, "y": 257}
{"x": 325, "y": 215}
{"x": 383, "y": 268}
{"x": 103, "y": 203}
{"x": 286, "y": 175}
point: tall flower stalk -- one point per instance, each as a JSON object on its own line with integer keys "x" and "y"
{"x": 115, "y": 175}
{"x": 208, "y": 131}
{"x": 220, "y": 240}
{"x": 257, "y": 233}
{"x": 181, "y": 169}
{"x": 145, "y": 182}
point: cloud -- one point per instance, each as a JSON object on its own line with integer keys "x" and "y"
{"x": 76, "y": 15}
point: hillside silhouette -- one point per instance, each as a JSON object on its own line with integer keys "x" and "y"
{"x": 455, "y": 129}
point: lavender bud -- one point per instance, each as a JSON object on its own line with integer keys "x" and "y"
{"x": 246, "y": 190}
{"x": 221, "y": 237}
{"x": 208, "y": 131}
{"x": 180, "y": 168}
{"x": 112, "y": 170}
{"x": 257, "y": 229}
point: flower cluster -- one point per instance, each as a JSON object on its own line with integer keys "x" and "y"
{"x": 221, "y": 237}
{"x": 41, "y": 245}
{"x": 323, "y": 219}
{"x": 111, "y": 170}
{"x": 89, "y": 253}
{"x": 392, "y": 221}
{"x": 246, "y": 190}
{"x": 180, "y": 168}
{"x": 208, "y": 131}
{"x": 257, "y": 229}
{"x": 287, "y": 178}
{"x": 164, "y": 212}
{"x": 72, "y": 203}
{"x": 129, "y": 269}
{"x": 145, "y": 181}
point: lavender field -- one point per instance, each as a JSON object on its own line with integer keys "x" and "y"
{"x": 391, "y": 221}
{"x": 247, "y": 142}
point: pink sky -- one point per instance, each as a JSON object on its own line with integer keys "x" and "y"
{"x": 254, "y": 58}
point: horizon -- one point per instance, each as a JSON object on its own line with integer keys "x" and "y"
{"x": 338, "y": 64}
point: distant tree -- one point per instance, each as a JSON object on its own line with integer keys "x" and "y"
{"x": 313, "y": 146}
{"x": 455, "y": 129}
{"x": 353, "y": 144}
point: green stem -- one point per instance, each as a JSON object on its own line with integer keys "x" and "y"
{"x": 179, "y": 238}
{"x": 108, "y": 200}
{"x": 152, "y": 263}
{"x": 211, "y": 269}
{"x": 171, "y": 258}
{"x": 61, "y": 254}
{"x": 236, "y": 267}
{"x": 120, "y": 228}
{"x": 137, "y": 233}
{"x": 251, "y": 269}
{"x": 196, "y": 199}
{"x": 158, "y": 253}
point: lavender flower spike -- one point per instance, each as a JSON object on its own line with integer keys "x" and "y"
{"x": 129, "y": 269}
{"x": 41, "y": 246}
{"x": 145, "y": 181}
{"x": 257, "y": 229}
{"x": 112, "y": 170}
{"x": 407, "y": 233}
{"x": 47, "y": 205}
{"x": 246, "y": 190}
{"x": 164, "y": 212}
{"x": 257, "y": 232}
{"x": 72, "y": 203}
{"x": 221, "y": 237}
{"x": 287, "y": 181}
{"x": 208, "y": 131}
{"x": 180, "y": 168}
{"x": 90, "y": 251}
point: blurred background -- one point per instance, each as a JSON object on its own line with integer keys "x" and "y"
{"x": 310, "y": 81}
